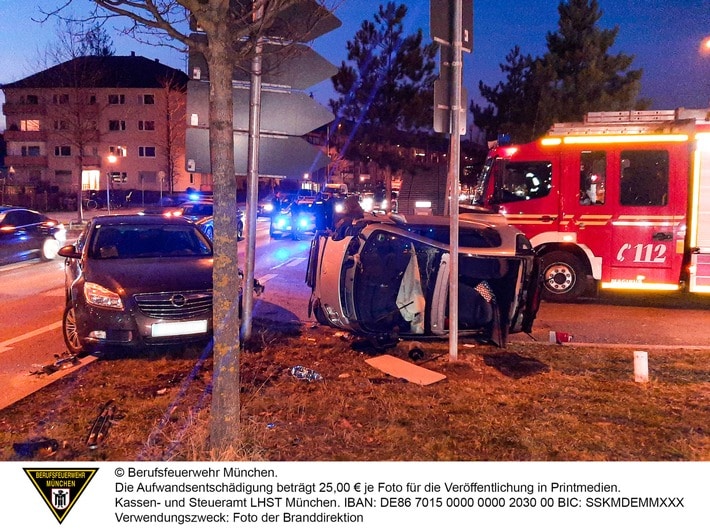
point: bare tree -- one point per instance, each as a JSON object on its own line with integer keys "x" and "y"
{"x": 174, "y": 133}
{"x": 74, "y": 113}
{"x": 231, "y": 31}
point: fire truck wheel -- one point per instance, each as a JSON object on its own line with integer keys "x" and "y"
{"x": 564, "y": 278}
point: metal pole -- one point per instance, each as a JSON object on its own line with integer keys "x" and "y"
{"x": 453, "y": 179}
{"x": 108, "y": 195}
{"x": 252, "y": 187}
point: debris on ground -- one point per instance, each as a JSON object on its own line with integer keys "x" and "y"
{"x": 102, "y": 424}
{"x": 305, "y": 374}
{"x": 406, "y": 370}
{"x": 43, "y": 447}
{"x": 64, "y": 361}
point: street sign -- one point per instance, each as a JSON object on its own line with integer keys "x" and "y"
{"x": 441, "y": 14}
{"x": 442, "y": 96}
{"x": 304, "y": 21}
{"x": 297, "y": 66}
{"x": 442, "y": 109}
{"x": 282, "y": 112}
{"x": 279, "y": 157}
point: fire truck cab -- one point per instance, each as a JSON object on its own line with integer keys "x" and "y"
{"x": 619, "y": 201}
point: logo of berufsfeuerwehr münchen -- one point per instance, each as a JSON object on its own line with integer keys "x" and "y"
{"x": 60, "y": 488}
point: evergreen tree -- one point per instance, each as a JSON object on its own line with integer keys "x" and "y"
{"x": 587, "y": 78}
{"x": 575, "y": 76}
{"x": 386, "y": 86}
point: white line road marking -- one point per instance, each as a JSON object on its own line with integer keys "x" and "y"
{"x": 291, "y": 263}
{"x": 263, "y": 280}
{"x": 5, "y": 346}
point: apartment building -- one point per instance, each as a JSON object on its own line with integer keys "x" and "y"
{"x": 93, "y": 123}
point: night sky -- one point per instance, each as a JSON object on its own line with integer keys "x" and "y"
{"x": 663, "y": 36}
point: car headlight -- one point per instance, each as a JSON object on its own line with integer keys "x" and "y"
{"x": 97, "y": 295}
{"x": 268, "y": 207}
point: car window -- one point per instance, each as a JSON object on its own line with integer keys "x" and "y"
{"x": 197, "y": 210}
{"x": 19, "y": 218}
{"x": 136, "y": 241}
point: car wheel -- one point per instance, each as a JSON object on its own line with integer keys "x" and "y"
{"x": 70, "y": 331}
{"x": 50, "y": 249}
{"x": 240, "y": 231}
{"x": 564, "y": 277}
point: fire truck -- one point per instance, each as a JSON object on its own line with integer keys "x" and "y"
{"x": 618, "y": 201}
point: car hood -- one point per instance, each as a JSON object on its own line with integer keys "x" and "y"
{"x": 134, "y": 276}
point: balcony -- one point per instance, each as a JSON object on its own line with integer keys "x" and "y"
{"x": 24, "y": 109}
{"x": 18, "y": 161}
{"x": 14, "y": 135}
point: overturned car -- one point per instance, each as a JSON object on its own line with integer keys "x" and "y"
{"x": 388, "y": 278}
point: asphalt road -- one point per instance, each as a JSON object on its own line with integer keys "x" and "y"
{"x": 32, "y": 304}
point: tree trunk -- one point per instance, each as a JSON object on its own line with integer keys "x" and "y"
{"x": 225, "y": 381}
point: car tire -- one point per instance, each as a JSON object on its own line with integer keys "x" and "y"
{"x": 70, "y": 331}
{"x": 563, "y": 276}
{"x": 50, "y": 249}
{"x": 240, "y": 231}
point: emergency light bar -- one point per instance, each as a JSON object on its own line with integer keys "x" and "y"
{"x": 613, "y": 139}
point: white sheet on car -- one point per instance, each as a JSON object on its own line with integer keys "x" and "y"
{"x": 410, "y": 298}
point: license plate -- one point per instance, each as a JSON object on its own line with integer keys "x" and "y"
{"x": 179, "y": 328}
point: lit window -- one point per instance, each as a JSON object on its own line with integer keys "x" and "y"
{"x": 29, "y": 125}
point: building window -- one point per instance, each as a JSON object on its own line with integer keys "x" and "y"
{"x": 29, "y": 125}
{"x": 60, "y": 99}
{"x": 31, "y": 99}
{"x": 62, "y": 177}
{"x": 61, "y": 125}
{"x": 146, "y": 125}
{"x": 116, "y": 99}
{"x": 118, "y": 151}
{"x": 148, "y": 177}
{"x": 92, "y": 99}
{"x": 117, "y": 125}
{"x": 146, "y": 151}
{"x": 148, "y": 99}
{"x": 62, "y": 151}
{"x": 30, "y": 151}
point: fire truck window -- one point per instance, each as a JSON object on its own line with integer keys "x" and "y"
{"x": 592, "y": 178}
{"x": 521, "y": 181}
{"x": 644, "y": 178}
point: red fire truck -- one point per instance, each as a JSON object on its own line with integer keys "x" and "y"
{"x": 619, "y": 201}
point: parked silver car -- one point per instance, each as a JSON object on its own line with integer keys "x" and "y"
{"x": 388, "y": 278}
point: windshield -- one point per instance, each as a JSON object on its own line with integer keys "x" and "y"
{"x": 482, "y": 182}
{"x": 148, "y": 241}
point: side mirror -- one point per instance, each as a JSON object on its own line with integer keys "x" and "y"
{"x": 69, "y": 252}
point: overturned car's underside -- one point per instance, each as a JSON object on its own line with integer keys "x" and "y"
{"x": 388, "y": 278}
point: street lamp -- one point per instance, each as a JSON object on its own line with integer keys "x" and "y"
{"x": 111, "y": 161}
